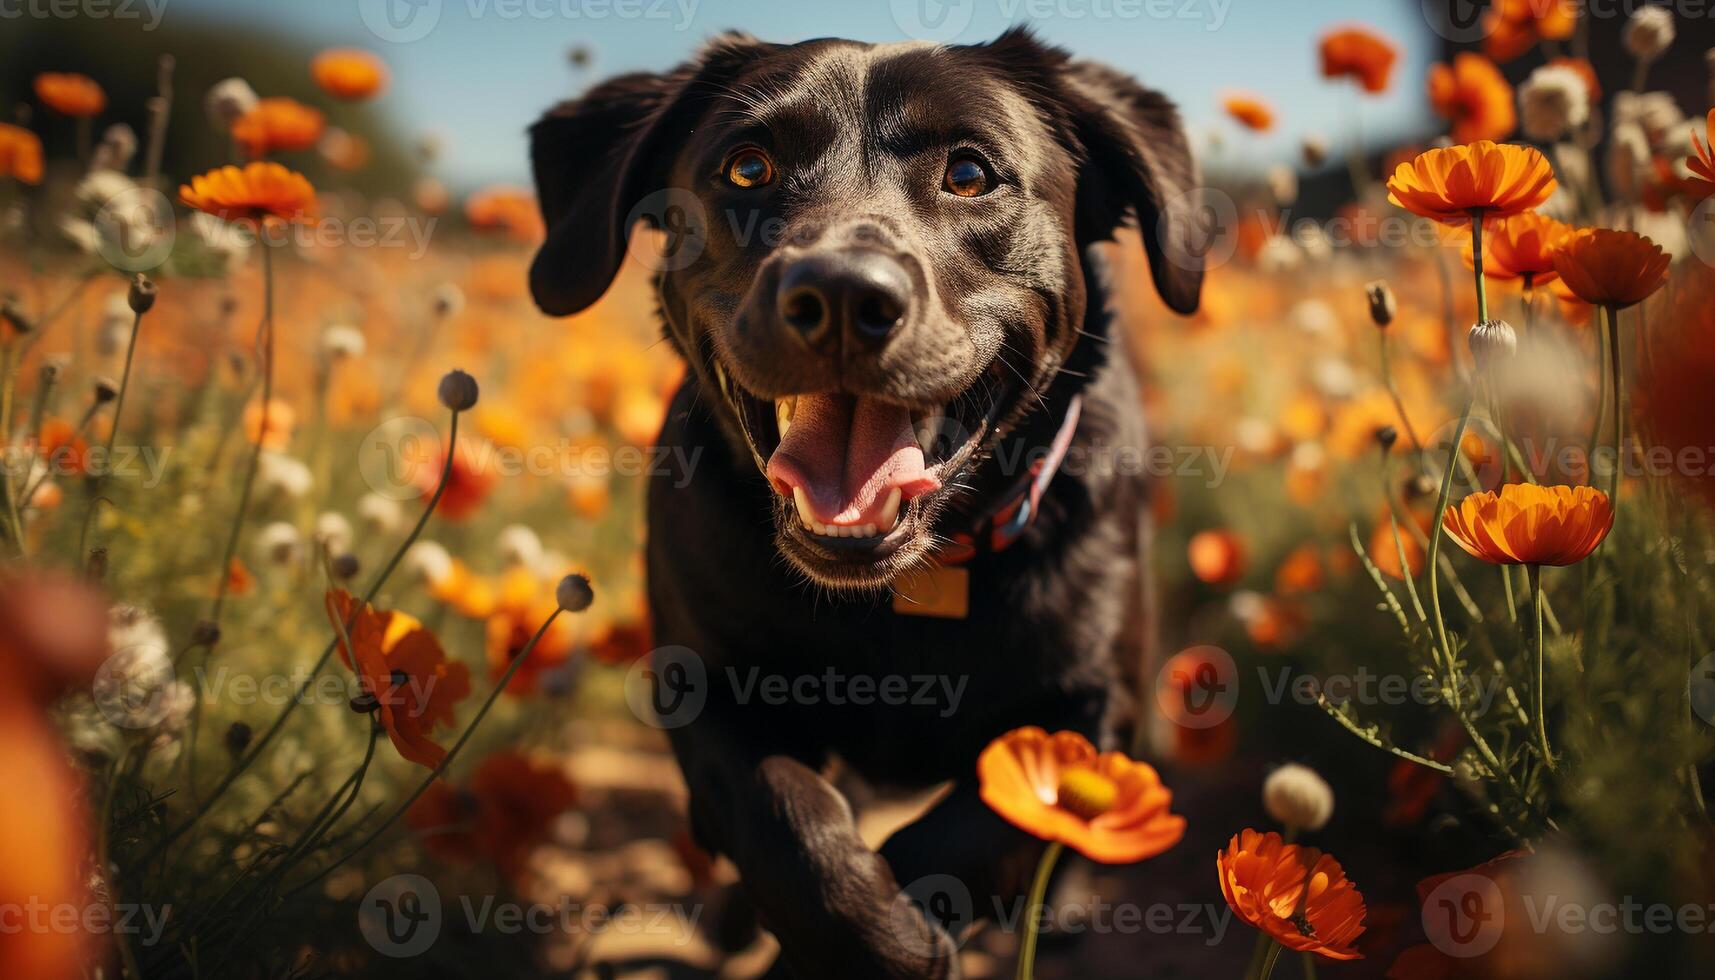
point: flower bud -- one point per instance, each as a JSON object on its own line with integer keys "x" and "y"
{"x": 1297, "y": 797}
{"x": 1386, "y": 436}
{"x": 366, "y": 704}
{"x": 458, "y": 390}
{"x": 96, "y": 569}
{"x": 1490, "y": 341}
{"x": 237, "y": 738}
{"x": 574, "y": 593}
{"x": 142, "y": 295}
{"x": 346, "y": 567}
{"x": 1383, "y": 307}
{"x": 106, "y": 389}
{"x": 206, "y": 633}
{"x": 1315, "y": 151}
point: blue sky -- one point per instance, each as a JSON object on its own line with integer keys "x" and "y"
{"x": 483, "y": 69}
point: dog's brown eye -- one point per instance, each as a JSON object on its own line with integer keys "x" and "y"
{"x": 967, "y": 178}
{"x": 749, "y": 168}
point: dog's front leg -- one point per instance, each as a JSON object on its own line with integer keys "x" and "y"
{"x": 830, "y": 900}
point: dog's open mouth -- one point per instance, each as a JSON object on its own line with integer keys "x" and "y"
{"x": 858, "y": 477}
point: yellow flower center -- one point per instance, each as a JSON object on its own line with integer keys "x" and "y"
{"x": 1086, "y": 793}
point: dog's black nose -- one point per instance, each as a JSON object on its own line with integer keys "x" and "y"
{"x": 854, "y": 297}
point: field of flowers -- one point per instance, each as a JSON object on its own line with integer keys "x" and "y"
{"x": 321, "y": 589}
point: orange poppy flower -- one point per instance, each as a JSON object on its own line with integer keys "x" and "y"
{"x": 65, "y": 451}
{"x": 259, "y": 192}
{"x": 349, "y": 73}
{"x": 44, "y": 843}
{"x": 1250, "y": 112}
{"x": 507, "y": 810}
{"x": 1217, "y": 557}
{"x": 1604, "y": 267}
{"x": 239, "y": 581}
{"x": 403, "y": 667}
{"x": 1673, "y": 398}
{"x": 522, "y": 602}
{"x": 70, "y": 94}
{"x": 271, "y": 426}
{"x": 1300, "y": 572}
{"x": 1501, "y": 891}
{"x": 1521, "y": 245}
{"x": 20, "y": 154}
{"x": 1058, "y": 787}
{"x": 1297, "y": 895}
{"x": 1385, "y": 553}
{"x": 277, "y": 125}
{"x": 1513, "y": 27}
{"x": 1449, "y": 185}
{"x": 1526, "y": 524}
{"x": 469, "y": 481}
{"x": 1355, "y": 52}
{"x": 1702, "y": 160}
{"x": 621, "y": 644}
{"x": 1474, "y": 96}
{"x": 507, "y": 209}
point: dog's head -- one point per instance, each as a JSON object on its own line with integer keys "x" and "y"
{"x": 874, "y": 257}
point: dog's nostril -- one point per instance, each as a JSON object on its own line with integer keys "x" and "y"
{"x": 803, "y": 309}
{"x": 878, "y": 313}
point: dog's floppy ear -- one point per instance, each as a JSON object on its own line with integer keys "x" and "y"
{"x": 595, "y": 158}
{"x": 1138, "y": 157}
{"x": 1133, "y": 157}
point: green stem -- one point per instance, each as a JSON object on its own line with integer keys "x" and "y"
{"x": 1616, "y": 361}
{"x": 1435, "y": 536}
{"x": 267, "y": 337}
{"x": 1477, "y": 264}
{"x": 1269, "y": 960}
{"x": 1033, "y": 911}
{"x": 1535, "y": 574}
{"x": 100, "y": 477}
{"x": 1602, "y": 358}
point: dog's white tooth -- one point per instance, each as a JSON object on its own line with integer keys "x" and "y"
{"x": 802, "y": 501}
{"x": 890, "y": 511}
{"x": 783, "y": 410}
{"x": 868, "y": 531}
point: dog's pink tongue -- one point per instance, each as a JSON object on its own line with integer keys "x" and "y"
{"x": 848, "y": 453}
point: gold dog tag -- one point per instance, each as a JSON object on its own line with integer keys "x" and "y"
{"x": 939, "y": 590}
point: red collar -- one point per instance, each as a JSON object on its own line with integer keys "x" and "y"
{"x": 999, "y": 526}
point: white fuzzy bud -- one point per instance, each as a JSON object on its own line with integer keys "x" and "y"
{"x": 1297, "y": 797}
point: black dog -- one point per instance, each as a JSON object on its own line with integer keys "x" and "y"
{"x": 878, "y": 271}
